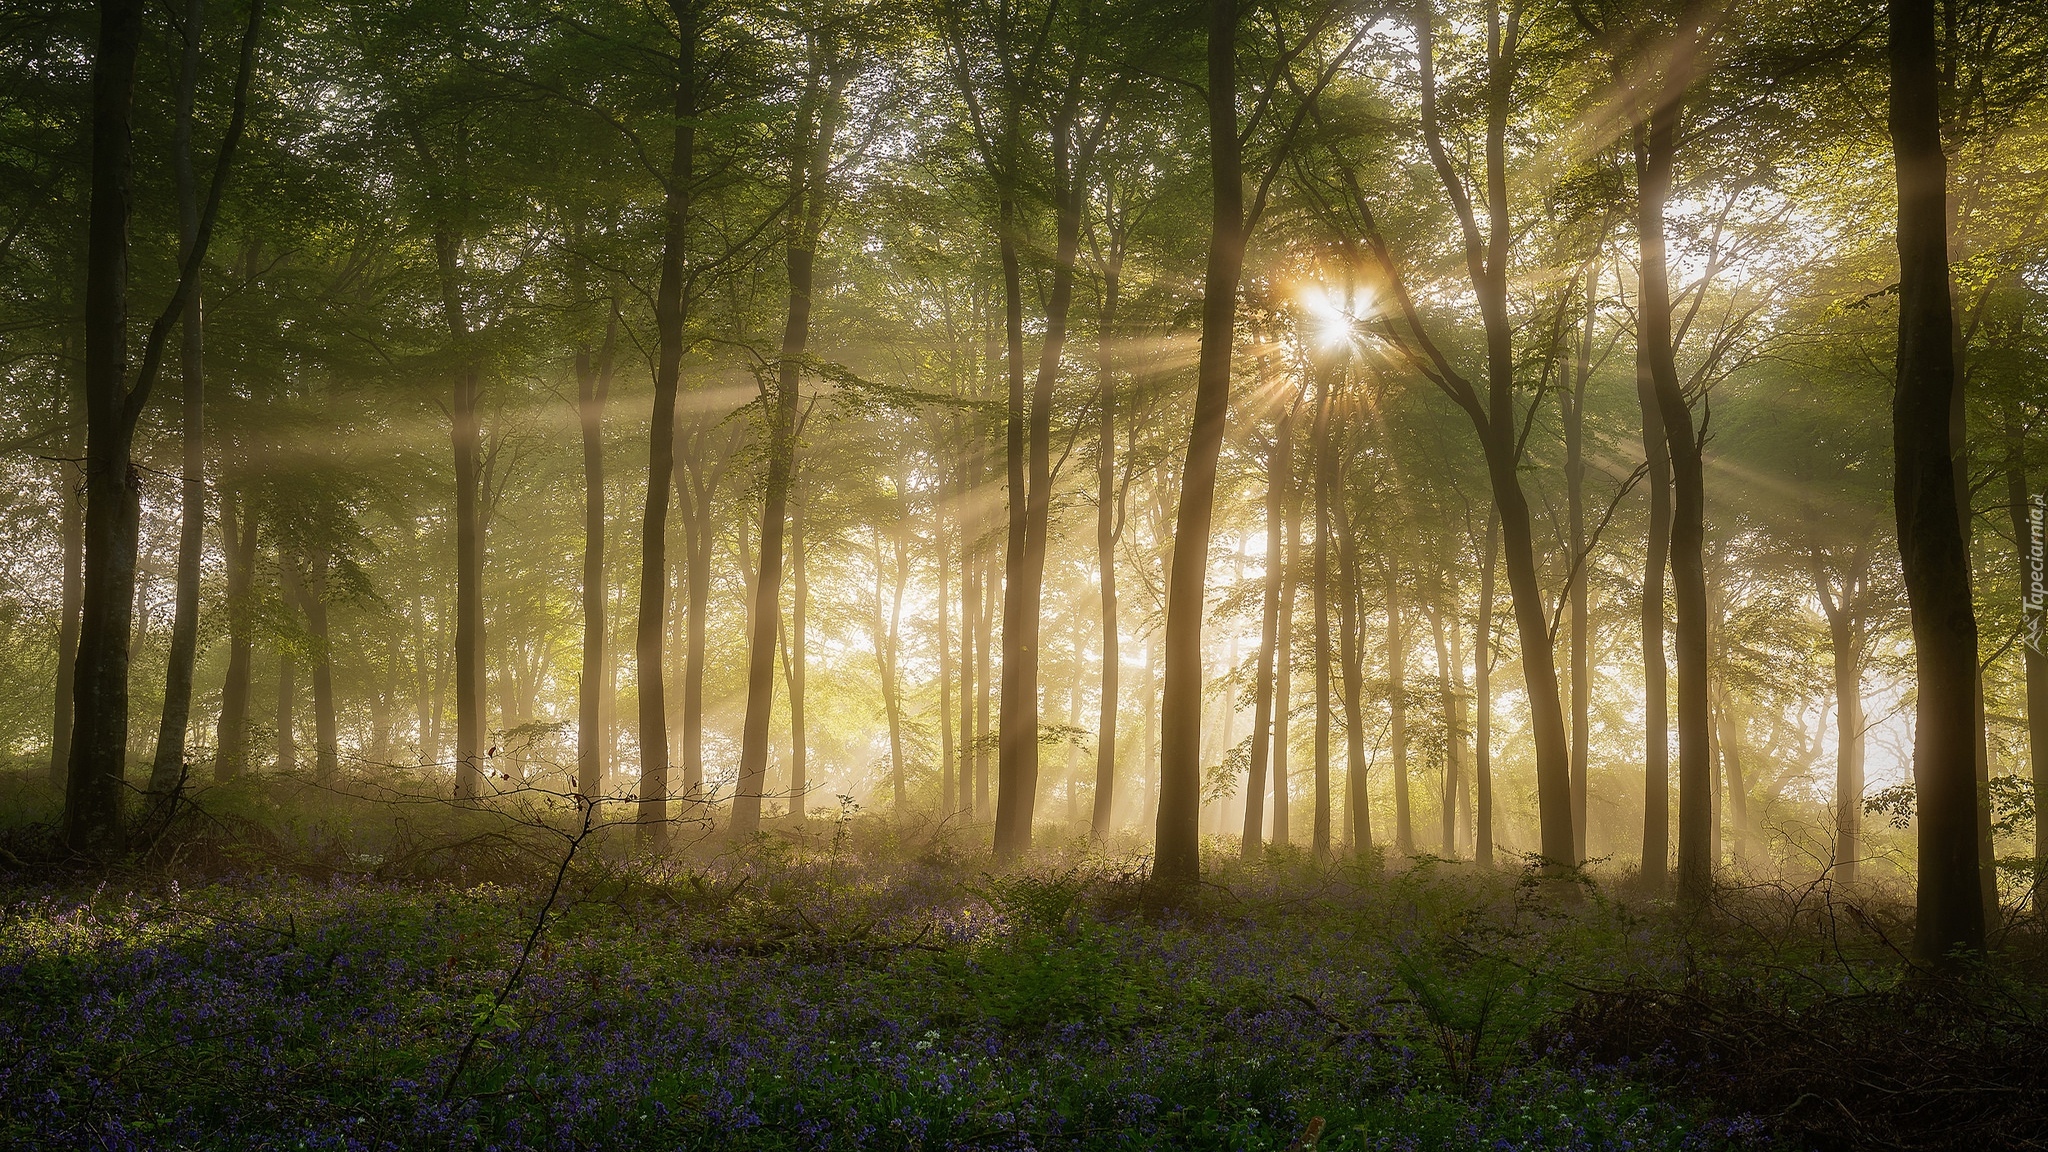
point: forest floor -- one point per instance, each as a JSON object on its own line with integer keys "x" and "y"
{"x": 273, "y": 974}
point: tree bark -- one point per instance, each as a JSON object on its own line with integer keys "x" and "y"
{"x": 1283, "y": 653}
{"x": 593, "y": 387}
{"x": 1397, "y": 710}
{"x": 238, "y": 539}
{"x": 169, "y": 768}
{"x": 1950, "y": 913}
{"x": 1656, "y": 156}
{"x": 1279, "y": 474}
{"x": 98, "y": 762}
{"x": 1350, "y": 625}
{"x": 1574, "y": 405}
{"x": 1325, "y": 464}
{"x": 71, "y": 531}
{"x": 1107, "y": 527}
{"x": 1177, "y": 856}
{"x": 817, "y": 123}
{"x": 1482, "y": 690}
{"x": 1656, "y": 701}
{"x": 287, "y": 723}
{"x": 669, "y": 319}
{"x": 799, "y": 653}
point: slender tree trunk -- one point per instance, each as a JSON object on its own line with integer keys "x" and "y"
{"x": 1325, "y": 465}
{"x": 1848, "y": 740}
{"x": 1482, "y": 690}
{"x": 887, "y": 633}
{"x": 1575, "y": 486}
{"x": 991, "y": 590}
{"x": 1350, "y": 625}
{"x": 970, "y": 630}
{"x": 1446, "y": 676}
{"x": 948, "y": 798}
{"x": 327, "y": 738}
{"x": 168, "y": 769}
{"x": 593, "y": 387}
{"x": 669, "y": 320}
{"x": 1729, "y": 726}
{"x": 287, "y": 694}
{"x": 71, "y": 530}
{"x": 799, "y": 611}
{"x": 1656, "y": 706}
{"x": 1279, "y": 474}
{"x": 467, "y": 440}
{"x": 238, "y": 540}
{"x": 1106, "y": 530}
{"x": 1283, "y": 654}
{"x": 1950, "y": 918}
{"x": 1458, "y": 751}
{"x": 1656, "y": 155}
{"x": 816, "y": 123}
{"x": 1177, "y": 855}
{"x": 1397, "y": 710}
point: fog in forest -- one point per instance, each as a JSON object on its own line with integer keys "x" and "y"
{"x": 1602, "y": 443}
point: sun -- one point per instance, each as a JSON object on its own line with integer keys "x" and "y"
{"x": 1333, "y": 319}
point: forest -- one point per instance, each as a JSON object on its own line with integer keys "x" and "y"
{"x": 1015, "y": 574}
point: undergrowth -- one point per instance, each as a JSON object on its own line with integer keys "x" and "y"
{"x": 279, "y": 970}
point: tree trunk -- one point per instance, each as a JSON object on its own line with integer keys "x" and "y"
{"x": 1482, "y": 690}
{"x": 287, "y": 694}
{"x": 970, "y": 631}
{"x": 991, "y": 590}
{"x": 1279, "y": 474}
{"x": 948, "y": 797}
{"x": 1950, "y": 915}
{"x": 1397, "y": 710}
{"x": 326, "y": 732}
{"x": 98, "y": 763}
{"x": 1656, "y": 156}
{"x": 238, "y": 540}
{"x": 669, "y": 319}
{"x": 1656, "y": 706}
{"x": 816, "y": 124}
{"x": 1447, "y": 694}
{"x": 799, "y": 611}
{"x": 168, "y": 769}
{"x": 593, "y": 387}
{"x": 1351, "y": 646}
{"x": 1106, "y": 530}
{"x": 1574, "y": 415}
{"x": 1177, "y": 854}
{"x": 71, "y": 531}
{"x": 1283, "y": 653}
{"x": 1325, "y": 465}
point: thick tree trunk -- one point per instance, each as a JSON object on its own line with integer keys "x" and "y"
{"x": 1017, "y": 774}
{"x": 238, "y": 542}
{"x": 168, "y": 769}
{"x": 593, "y": 387}
{"x": 99, "y": 747}
{"x": 1656, "y": 700}
{"x": 1482, "y": 690}
{"x": 1279, "y": 474}
{"x": 1950, "y": 917}
{"x": 71, "y": 532}
{"x": 1177, "y": 855}
{"x": 669, "y": 319}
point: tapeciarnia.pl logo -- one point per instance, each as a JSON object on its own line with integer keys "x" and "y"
{"x": 2035, "y": 599}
